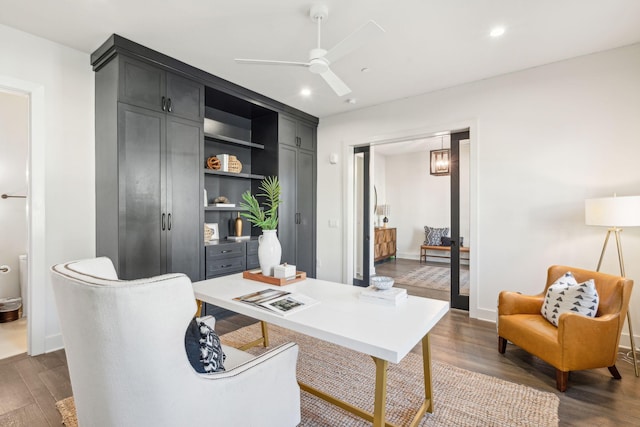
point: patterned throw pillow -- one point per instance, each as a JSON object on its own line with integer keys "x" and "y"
{"x": 567, "y": 295}
{"x": 433, "y": 236}
{"x": 211, "y": 353}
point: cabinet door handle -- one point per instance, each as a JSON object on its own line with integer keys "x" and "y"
{"x": 169, "y": 107}
{"x": 169, "y": 221}
{"x": 163, "y": 221}
{"x": 164, "y": 103}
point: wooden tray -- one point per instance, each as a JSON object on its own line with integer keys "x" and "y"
{"x": 252, "y": 275}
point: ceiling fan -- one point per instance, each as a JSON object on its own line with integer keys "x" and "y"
{"x": 319, "y": 58}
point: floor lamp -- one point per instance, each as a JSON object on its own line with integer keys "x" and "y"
{"x": 615, "y": 212}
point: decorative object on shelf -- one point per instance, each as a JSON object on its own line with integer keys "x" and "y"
{"x": 440, "y": 160}
{"x": 211, "y": 232}
{"x": 615, "y": 212}
{"x": 234, "y": 164}
{"x": 224, "y": 162}
{"x": 221, "y": 199}
{"x": 384, "y": 210}
{"x": 269, "y": 249}
{"x": 206, "y": 198}
{"x": 213, "y": 163}
{"x": 238, "y": 225}
{"x": 382, "y": 282}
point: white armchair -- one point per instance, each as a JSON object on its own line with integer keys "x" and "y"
{"x": 125, "y": 349}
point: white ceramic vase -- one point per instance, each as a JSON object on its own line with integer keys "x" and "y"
{"x": 269, "y": 251}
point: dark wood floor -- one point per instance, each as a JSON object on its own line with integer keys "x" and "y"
{"x": 399, "y": 266}
{"x": 29, "y": 386}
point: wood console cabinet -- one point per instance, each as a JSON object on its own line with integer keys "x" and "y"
{"x": 385, "y": 243}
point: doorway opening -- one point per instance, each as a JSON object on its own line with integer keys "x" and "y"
{"x": 408, "y": 199}
{"x": 14, "y": 134}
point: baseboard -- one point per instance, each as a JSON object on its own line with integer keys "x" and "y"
{"x": 485, "y": 314}
{"x": 53, "y": 343}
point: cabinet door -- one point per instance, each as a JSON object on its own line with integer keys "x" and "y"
{"x": 287, "y": 131}
{"x": 141, "y": 84}
{"x": 305, "y": 236}
{"x": 287, "y": 211}
{"x": 306, "y": 136}
{"x": 141, "y": 192}
{"x": 184, "y": 200}
{"x": 186, "y": 97}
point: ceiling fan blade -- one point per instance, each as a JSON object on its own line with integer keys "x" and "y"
{"x": 354, "y": 40}
{"x": 270, "y": 62}
{"x": 338, "y": 86}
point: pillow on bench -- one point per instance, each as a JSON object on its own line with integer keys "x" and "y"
{"x": 446, "y": 241}
{"x": 433, "y": 236}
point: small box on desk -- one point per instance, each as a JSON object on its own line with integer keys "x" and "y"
{"x": 284, "y": 271}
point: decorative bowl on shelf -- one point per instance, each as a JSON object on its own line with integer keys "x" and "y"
{"x": 381, "y": 282}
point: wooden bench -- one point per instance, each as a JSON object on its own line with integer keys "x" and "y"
{"x": 425, "y": 248}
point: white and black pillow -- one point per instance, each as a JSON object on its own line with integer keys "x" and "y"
{"x": 433, "y": 236}
{"x": 202, "y": 345}
{"x": 211, "y": 354}
{"x": 567, "y": 295}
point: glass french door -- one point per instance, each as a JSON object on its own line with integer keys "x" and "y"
{"x": 362, "y": 217}
{"x": 458, "y": 299}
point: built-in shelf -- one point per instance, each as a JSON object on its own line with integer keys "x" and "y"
{"x": 224, "y": 209}
{"x": 233, "y": 174}
{"x": 233, "y": 141}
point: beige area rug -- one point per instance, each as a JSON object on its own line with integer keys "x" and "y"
{"x": 433, "y": 277}
{"x": 461, "y": 397}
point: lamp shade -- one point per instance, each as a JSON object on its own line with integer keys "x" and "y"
{"x": 613, "y": 211}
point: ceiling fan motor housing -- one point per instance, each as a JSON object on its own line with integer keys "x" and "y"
{"x": 317, "y": 63}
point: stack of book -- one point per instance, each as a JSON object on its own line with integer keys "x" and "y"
{"x": 392, "y": 296}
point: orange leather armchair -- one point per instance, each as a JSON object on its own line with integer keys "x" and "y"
{"x": 579, "y": 342}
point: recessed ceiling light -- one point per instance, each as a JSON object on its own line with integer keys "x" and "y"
{"x": 497, "y": 32}
{"x": 305, "y": 92}
{"x": 351, "y": 101}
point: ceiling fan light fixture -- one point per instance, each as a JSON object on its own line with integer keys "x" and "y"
{"x": 497, "y": 31}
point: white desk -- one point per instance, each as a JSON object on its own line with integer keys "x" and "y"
{"x": 387, "y": 333}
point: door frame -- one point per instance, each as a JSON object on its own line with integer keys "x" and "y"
{"x": 36, "y": 242}
{"x": 407, "y": 135}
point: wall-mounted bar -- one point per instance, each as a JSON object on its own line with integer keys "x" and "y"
{"x": 6, "y": 196}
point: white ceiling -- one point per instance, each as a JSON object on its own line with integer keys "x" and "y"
{"x": 428, "y": 45}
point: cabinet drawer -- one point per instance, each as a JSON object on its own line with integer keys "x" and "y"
{"x": 219, "y": 267}
{"x": 252, "y": 247}
{"x": 226, "y": 250}
{"x": 252, "y": 262}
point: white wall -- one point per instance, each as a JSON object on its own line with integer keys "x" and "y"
{"x": 60, "y": 81}
{"x": 545, "y": 139}
{"x": 14, "y": 142}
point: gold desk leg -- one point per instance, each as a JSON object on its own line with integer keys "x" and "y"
{"x": 199, "y": 310}
{"x": 426, "y": 364}
{"x": 265, "y": 334}
{"x": 380, "y": 404}
{"x": 264, "y": 339}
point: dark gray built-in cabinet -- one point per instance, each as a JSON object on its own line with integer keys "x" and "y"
{"x": 157, "y": 122}
{"x": 297, "y": 172}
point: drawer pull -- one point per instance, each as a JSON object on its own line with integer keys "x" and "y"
{"x": 226, "y": 251}
{"x": 226, "y": 266}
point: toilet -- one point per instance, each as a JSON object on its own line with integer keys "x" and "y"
{"x": 24, "y": 282}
